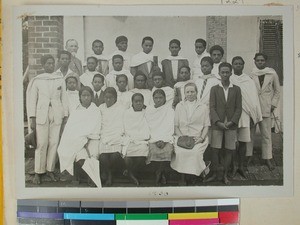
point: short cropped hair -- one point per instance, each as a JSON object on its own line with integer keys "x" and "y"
{"x": 44, "y": 59}
{"x": 120, "y": 39}
{"x": 158, "y": 74}
{"x": 147, "y": 39}
{"x": 122, "y": 75}
{"x": 202, "y": 41}
{"x": 260, "y": 54}
{"x": 187, "y": 67}
{"x": 225, "y": 64}
{"x": 63, "y": 52}
{"x": 237, "y": 58}
{"x": 97, "y": 41}
{"x": 98, "y": 75}
{"x": 216, "y": 47}
{"x": 207, "y": 59}
{"x": 117, "y": 57}
{"x": 92, "y": 57}
{"x": 174, "y": 41}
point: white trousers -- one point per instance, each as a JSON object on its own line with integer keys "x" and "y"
{"x": 47, "y": 142}
{"x": 266, "y": 139}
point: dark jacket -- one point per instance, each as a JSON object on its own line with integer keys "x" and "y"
{"x": 219, "y": 108}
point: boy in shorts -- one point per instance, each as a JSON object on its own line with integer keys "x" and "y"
{"x": 225, "y": 112}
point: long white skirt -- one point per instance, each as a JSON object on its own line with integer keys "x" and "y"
{"x": 189, "y": 161}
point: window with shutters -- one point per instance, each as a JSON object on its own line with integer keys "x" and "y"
{"x": 271, "y": 44}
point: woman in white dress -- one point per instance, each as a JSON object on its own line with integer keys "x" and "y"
{"x": 81, "y": 131}
{"x": 192, "y": 120}
{"x": 160, "y": 119}
{"x": 137, "y": 132}
{"x": 112, "y": 135}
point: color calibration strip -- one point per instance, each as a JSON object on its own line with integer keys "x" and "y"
{"x": 179, "y": 212}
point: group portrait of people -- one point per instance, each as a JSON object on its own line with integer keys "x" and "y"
{"x": 130, "y": 110}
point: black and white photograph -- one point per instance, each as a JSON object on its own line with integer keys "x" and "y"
{"x": 154, "y": 99}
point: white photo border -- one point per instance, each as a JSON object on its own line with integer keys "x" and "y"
{"x": 157, "y": 192}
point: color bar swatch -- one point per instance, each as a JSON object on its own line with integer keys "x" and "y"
{"x": 189, "y": 212}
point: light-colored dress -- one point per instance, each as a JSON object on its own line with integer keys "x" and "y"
{"x": 83, "y": 126}
{"x": 161, "y": 124}
{"x": 112, "y": 130}
{"x": 190, "y": 120}
{"x": 137, "y": 132}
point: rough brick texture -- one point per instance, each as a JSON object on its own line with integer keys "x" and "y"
{"x": 216, "y": 32}
{"x": 45, "y": 36}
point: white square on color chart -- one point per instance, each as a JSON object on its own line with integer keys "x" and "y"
{"x": 144, "y": 222}
{"x": 91, "y": 15}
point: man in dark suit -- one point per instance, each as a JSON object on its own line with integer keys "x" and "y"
{"x": 225, "y": 112}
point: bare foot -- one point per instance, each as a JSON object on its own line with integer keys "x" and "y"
{"x": 211, "y": 178}
{"x": 249, "y": 161}
{"x": 52, "y": 177}
{"x": 91, "y": 183}
{"x": 163, "y": 179}
{"x": 243, "y": 173}
{"x": 158, "y": 178}
{"x": 234, "y": 171}
{"x": 269, "y": 164}
{"x": 109, "y": 180}
{"x": 226, "y": 181}
{"x": 134, "y": 179}
{"x": 37, "y": 179}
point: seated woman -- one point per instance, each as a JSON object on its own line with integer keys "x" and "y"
{"x": 160, "y": 119}
{"x": 138, "y": 134}
{"x": 192, "y": 120}
{"x": 140, "y": 86}
{"x": 80, "y": 134}
{"x": 112, "y": 135}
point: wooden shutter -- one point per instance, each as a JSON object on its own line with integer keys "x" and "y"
{"x": 271, "y": 44}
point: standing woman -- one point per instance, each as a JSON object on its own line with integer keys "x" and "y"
{"x": 138, "y": 134}
{"x": 112, "y": 133}
{"x": 160, "y": 119}
{"x": 191, "y": 121}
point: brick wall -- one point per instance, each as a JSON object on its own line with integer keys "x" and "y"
{"x": 216, "y": 32}
{"x": 45, "y": 36}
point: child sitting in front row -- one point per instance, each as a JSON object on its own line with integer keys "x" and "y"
{"x": 184, "y": 77}
{"x": 72, "y": 93}
{"x": 225, "y": 111}
{"x": 98, "y": 83}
